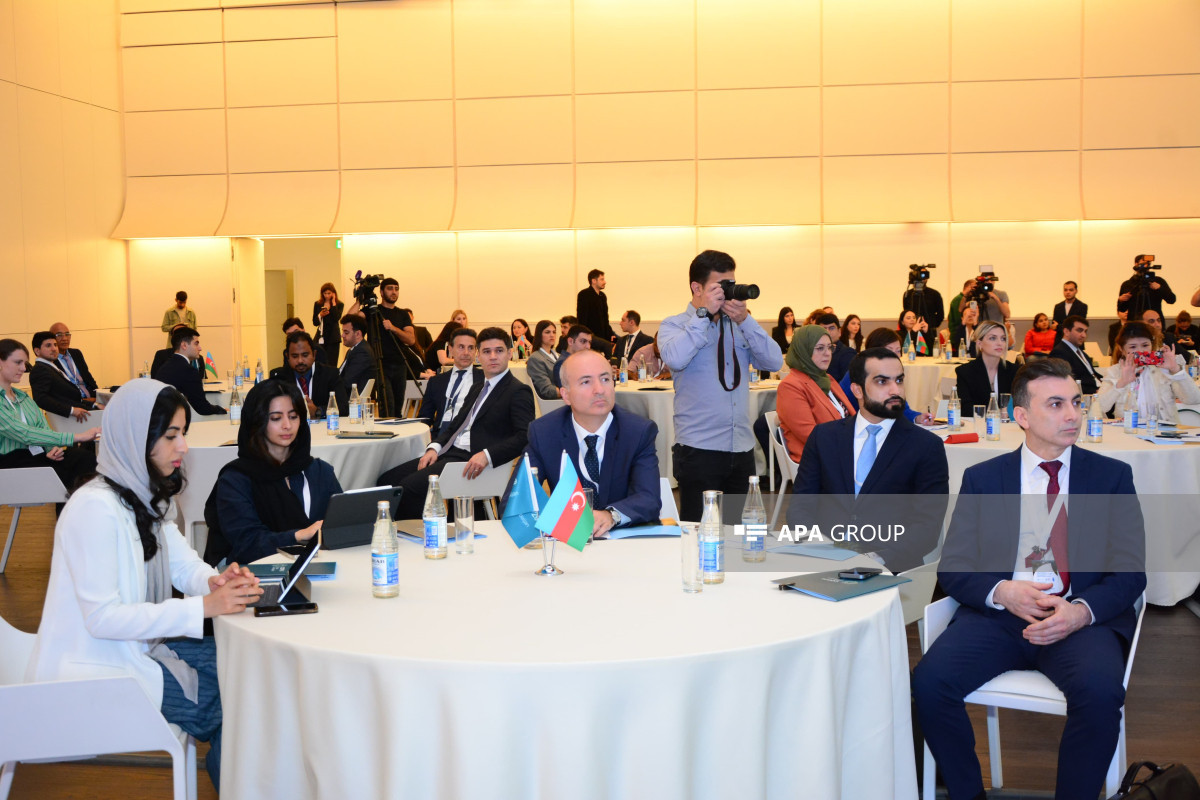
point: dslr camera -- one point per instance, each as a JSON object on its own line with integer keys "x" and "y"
{"x": 364, "y": 289}
{"x": 739, "y": 291}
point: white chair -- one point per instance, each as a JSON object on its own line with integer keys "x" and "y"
{"x": 69, "y": 720}
{"x": 788, "y": 467}
{"x": 22, "y": 488}
{"x": 943, "y": 408}
{"x": 72, "y": 425}
{"x": 1023, "y": 690}
{"x": 488, "y": 485}
{"x": 945, "y": 384}
{"x": 1187, "y": 416}
{"x": 545, "y": 406}
{"x": 1093, "y": 350}
{"x": 916, "y": 594}
{"x": 365, "y": 391}
{"x": 669, "y": 509}
{"x": 201, "y": 472}
{"x": 414, "y": 393}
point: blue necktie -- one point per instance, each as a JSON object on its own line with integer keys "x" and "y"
{"x": 448, "y": 414}
{"x": 591, "y": 458}
{"x": 68, "y": 365}
{"x": 866, "y": 459}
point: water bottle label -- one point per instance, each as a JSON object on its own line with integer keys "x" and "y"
{"x": 952, "y": 417}
{"x": 710, "y": 556}
{"x": 624, "y": 376}
{"x": 1095, "y": 428}
{"x": 246, "y": 373}
{"x": 237, "y": 379}
{"x": 355, "y": 411}
{"x": 756, "y": 536}
{"x": 1194, "y": 371}
{"x": 235, "y": 413}
{"x": 993, "y": 426}
{"x": 435, "y": 532}
{"x": 642, "y": 373}
{"x": 385, "y": 569}
{"x": 331, "y": 422}
{"x": 1131, "y": 419}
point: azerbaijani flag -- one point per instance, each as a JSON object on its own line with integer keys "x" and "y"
{"x": 521, "y": 510}
{"x": 567, "y": 515}
{"x": 210, "y": 365}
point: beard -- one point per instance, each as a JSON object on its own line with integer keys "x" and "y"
{"x": 893, "y": 408}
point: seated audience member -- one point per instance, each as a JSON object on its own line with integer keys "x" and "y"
{"x": 274, "y": 493}
{"x": 878, "y": 452}
{"x": 968, "y": 322}
{"x": 914, "y": 334}
{"x": 52, "y": 390}
{"x": 633, "y": 340}
{"x": 424, "y": 340}
{"x": 651, "y": 356}
{"x": 1186, "y": 334}
{"x": 808, "y": 396}
{"x": 890, "y": 340}
{"x": 611, "y": 449}
{"x": 564, "y": 323}
{"x": 1154, "y": 321}
{"x": 1075, "y": 626}
{"x": 1040, "y": 338}
{"x": 785, "y": 329}
{"x": 520, "y": 332}
{"x": 179, "y": 372}
{"x": 73, "y": 364}
{"x": 109, "y": 610}
{"x": 851, "y": 334}
{"x": 1070, "y": 349}
{"x": 578, "y": 338}
{"x": 843, "y": 354}
{"x": 1010, "y": 330}
{"x": 164, "y": 355}
{"x": 446, "y": 391}
{"x": 1115, "y": 328}
{"x": 358, "y": 366}
{"x": 438, "y": 355}
{"x": 491, "y": 428}
{"x": 290, "y": 326}
{"x": 541, "y": 364}
{"x": 988, "y": 373}
{"x": 25, "y": 438}
{"x": 1147, "y": 389}
{"x": 314, "y": 379}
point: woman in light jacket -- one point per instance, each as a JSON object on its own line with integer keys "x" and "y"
{"x": 116, "y": 559}
{"x": 1146, "y": 389}
{"x": 808, "y": 396}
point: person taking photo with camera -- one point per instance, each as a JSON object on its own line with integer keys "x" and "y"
{"x": 1148, "y": 378}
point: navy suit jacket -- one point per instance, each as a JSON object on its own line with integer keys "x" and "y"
{"x": 912, "y": 461}
{"x": 1105, "y": 536}
{"x": 180, "y": 373}
{"x": 629, "y": 477}
{"x": 357, "y": 367}
{"x": 325, "y": 379}
{"x": 1088, "y": 378}
{"x": 433, "y": 407}
{"x": 502, "y": 425}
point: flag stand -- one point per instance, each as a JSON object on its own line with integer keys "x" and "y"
{"x": 548, "y": 567}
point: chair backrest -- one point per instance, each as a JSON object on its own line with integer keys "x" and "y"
{"x": 779, "y": 447}
{"x": 15, "y": 649}
{"x": 1140, "y": 608}
{"x": 1093, "y": 350}
{"x": 937, "y": 617}
{"x": 31, "y": 486}
{"x": 917, "y": 593}
{"x": 1188, "y": 416}
{"x": 366, "y": 390}
{"x": 490, "y": 483}
{"x": 72, "y": 425}
{"x": 945, "y": 384}
{"x": 943, "y": 408}
{"x": 669, "y": 509}
{"x": 546, "y": 406}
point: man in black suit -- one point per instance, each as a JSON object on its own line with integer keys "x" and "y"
{"x": 358, "y": 365}
{"x": 314, "y": 379}
{"x": 877, "y": 452}
{"x": 578, "y": 338}
{"x": 634, "y": 339}
{"x": 53, "y": 391}
{"x": 591, "y": 309}
{"x": 447, "y": 391}
{"x": 1070, "y": 349}
{"x": 162, "y": 356}
{"x": 179, "y": 372}
{"x": 1069, "y": 307}
{"x": 73, "y": 364}
{"x": 491, "y": 429}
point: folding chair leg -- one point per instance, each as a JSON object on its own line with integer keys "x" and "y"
{"x": 1116, "y": 768}
{"x": 929, "y": 784}
{"x": 778, "y": 506}
{"x": 12, "y": 532}
{"x": 993, "y": 728}
{"x": 490, "y": 503}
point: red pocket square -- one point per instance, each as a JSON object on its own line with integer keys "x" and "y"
{"x": 962, "y": 438}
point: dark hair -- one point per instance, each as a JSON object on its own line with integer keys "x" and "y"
{"x": 447, "y": 329}
{"x": 181, "y": 335}
{"x": 1040, "y": 315}
{"x": 633, "y": 317}
{"x": 291, "y": 321}
{"x": 515, "y": 321}
{"x": 783, "y": 312}
{"x": 541, "y": 328}
{"x": 594, "y": 273}
{"x": 488, "y": 334}
{"x": 10, "y": 346}
{"x": 40, "y": 337}
{"x": 858, "y": 366}
{"x": 1031, "y": 371}
{"x": 464, "y": 332}
{"x": 576, "y": 329}
{"x": 256, "y": 412}
{"x": 181, "y": 295}
{"x": 707, "y": 263}
{"x": 845, "y": 337}
{"x": 1135, "y": 330}
{"x": 900, "y": 320}
{"x": 1183, "y": 318}
{"x": 881, "y": 337}
{"x": 386, "y": 282}
{"x": 828, "y": 319}
{"x": 330, "y": 287}
{"x": 162, "y": 487}
{"x": 298, "y": 336}
{"x": 1073, "y": 320}
{"x": 567, "y": 320}
{"x": 1073, "y": 283}
{"x": 356, "y": 321}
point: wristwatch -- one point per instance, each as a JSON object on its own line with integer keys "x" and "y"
{"x": 703, "y": 312}
{"x": 616, "y": 516}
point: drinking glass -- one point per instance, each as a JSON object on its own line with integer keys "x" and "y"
{"x": 464, "y": 525}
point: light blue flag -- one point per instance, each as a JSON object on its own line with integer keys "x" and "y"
{"x": 521, "y": 510}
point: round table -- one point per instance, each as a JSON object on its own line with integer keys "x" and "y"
{"x": 483, "y": 680}
{"x": 520, "y": 371}
{"x": 655, "y": 400}
{"x": 1158, "y": 470}
{"x": 922, "y": 379}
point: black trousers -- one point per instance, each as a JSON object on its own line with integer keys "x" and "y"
{"x": 396, "y": 378}
{"x": 415, "y": 482}
{"x": 697, "y": 471}
{"x": 77, "y": 463}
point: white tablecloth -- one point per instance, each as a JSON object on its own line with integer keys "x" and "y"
{"x": 1157, "y": 470}
{"x": 921, "y": 380}
{"x": 483, "y": 680}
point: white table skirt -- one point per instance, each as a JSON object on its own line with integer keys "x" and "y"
{"x": 483, "y": 680}
{"x": 922, "y": 379}
{"x": 1157, "y": 470}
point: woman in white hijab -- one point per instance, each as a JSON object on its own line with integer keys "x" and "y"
{"x": 109, "y": 610}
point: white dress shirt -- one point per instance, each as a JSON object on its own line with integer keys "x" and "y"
{"x": 463, "y": 442}
{"x": 860, "y": 435}
{"x": 582, "y": 433}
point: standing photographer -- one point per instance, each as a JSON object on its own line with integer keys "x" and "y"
{"x": 1144, "y": 290}
{"x": 922, "y": 299}
{"x": 395, "y": 332}
{"x": 992, "y": 302}
{"x": 709, "y": 348}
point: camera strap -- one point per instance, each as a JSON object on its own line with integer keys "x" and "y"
{"x": 737, "y": 368}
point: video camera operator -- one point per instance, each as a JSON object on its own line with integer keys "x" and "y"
{"x": 991, "y": 302}
{"x": 389, "y": 330}
{"x": 922, "y": 299}
{"x": 1145, "y": 290}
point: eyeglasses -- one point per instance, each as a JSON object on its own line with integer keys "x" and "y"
{"x": 822, "y": 348}
{"x": 62, "y": 335}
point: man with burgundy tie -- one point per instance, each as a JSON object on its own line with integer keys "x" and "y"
{"x": 1044, "y": 584}
{"x": 313, "y": 378}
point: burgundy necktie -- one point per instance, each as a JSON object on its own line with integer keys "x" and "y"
{"x": 1058, "y": 533}
{"x": 304, "y": 387}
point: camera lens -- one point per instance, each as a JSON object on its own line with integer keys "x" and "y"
{"x": 745, "y": 291}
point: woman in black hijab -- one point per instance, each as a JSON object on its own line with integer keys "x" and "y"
{"x": 275, "y": 493}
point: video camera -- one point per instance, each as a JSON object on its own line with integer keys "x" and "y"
{"x": 985, "y": 284}
{"x": 739, "y": 291}
{"x": 364, "y": 289}
{"x": 918, "y": 275}
{"x": 1144, "y": 266}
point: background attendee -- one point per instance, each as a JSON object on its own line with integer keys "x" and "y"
{"x": 1186, "y": 334}
{"x": 541, "y": 364}
{"x": 1147, "y": 389}
{"x": 564, "y": 324}
{"x": 1139, "y": 292}
{"x": 591, "y": 309}
{"x": 447, "y": 391}
{"x": 109, "y": 610}
{"x": 73, "y": 363}
{"x": 925, "y": 304}
{"x": 995, "y": 306}
{"x": 651, "y": 356}
{"x": 164, "y": 355}
{"x": 843, "y": 354}
{"x": 784, "y": 328}
{"x": 437, "y": 356}
{"x": 1070, "y": 349}
{"x": 520, "y": 337}
{"x": 988, "y": 373}
{"x": 1115, "y": 328}
{"x": 52, "y": 389}
{"x": 889, "y": 339}
{"x": 1154, "y": 320}
{"x": 1070, "y": 306}
{"x": 179, "y": 372}
{"x": 358, "y": 367}
{"x": 274, "y": 493}
{"x": 967, "y": 325}
{"x": 314, "y": 380}
{"x": 578, "y": 338}
{"x": 808, "y": 396}
{"x": 424, "y": 340}
{"x": 914, "y": 334}
{"x": 1010, "y": 330}
{"x": 396, "y": 337}
{"x": 954, "y": 318}
{"x": 634, "y": 339}
{"x": 290, "y": 326}
{"x": 178, "y": 314}
{"x": 327, "y": 313}
{"x": 852, "y": 334}
{"x": 1039, "y": 338}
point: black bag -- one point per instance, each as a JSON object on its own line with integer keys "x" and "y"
{"x": 1172, "y": 782}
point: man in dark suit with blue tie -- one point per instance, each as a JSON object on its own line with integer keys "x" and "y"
{"x": 1042, "y": 585}
{"x": 447, "y": 391}
{"x": 853, "y": 468}
{"x": 611, "y": 449}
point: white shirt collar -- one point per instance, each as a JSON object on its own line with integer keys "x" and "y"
{"x": 861, "y": 423}
{"x": 582, "y": 432}
{"x": 1030, "y": 463}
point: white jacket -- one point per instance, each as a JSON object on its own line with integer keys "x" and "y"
{"x": 1159, "y": 391}
{"x": 96, "y": 621}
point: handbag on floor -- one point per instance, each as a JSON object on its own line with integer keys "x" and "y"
{"x": 1171, "y": 782}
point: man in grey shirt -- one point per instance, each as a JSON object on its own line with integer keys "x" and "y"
{"x": 995, "y": 307}
{"x": 709, "y": 348}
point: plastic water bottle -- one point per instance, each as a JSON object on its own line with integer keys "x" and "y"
{"x": 1193, "y": 367}
{"x": 954, "y": 410}
{"x": 332, "y": 421}
{"x": 624, "y": 370}
{"x": 962, "y": 348}
{"x": 754, "y": 524}
{"x": 1130, "y": 420}
{"x": 642, "y": 370}
{"x": 246, "y": 368}
{"x": 434, "y": 517}
{"x": 1152, "y": 423}
{"x": 355, "y": 417}
{"x": 235, "y": 408}
{"x": 993, "y": 420}
{"x": 258, "y": 373}
{"x": 1095, "y": 422}
{"x": 385, "y": 554}
{"x": 712, "y": 547}
{"x": 145, "y": 370}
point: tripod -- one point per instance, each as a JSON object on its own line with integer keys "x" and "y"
{"x": 390, "y": 405}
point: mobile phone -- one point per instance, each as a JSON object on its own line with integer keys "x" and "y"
{"x": 284, "y": 611}
{"x": 859, "y": 573}
{"x": 1148, "y": 359}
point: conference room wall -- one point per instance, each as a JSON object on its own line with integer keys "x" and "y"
{"x": 63, "y": 178}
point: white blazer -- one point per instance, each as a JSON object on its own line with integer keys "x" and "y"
{"x": 96, "y": 621}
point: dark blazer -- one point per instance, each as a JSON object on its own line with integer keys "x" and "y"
{"x": 502, "y": 425}
{"x": 325, "y": 379}
{"x": 839, "y": 365}
{"x": 912, "y": 461}
{"x": 640, "y": 340}
{"x": 1106, "y": 536}
{"x": 433, "y": 406}
{"x": 357, "y": 368}
{"x": 629, "y": 477}
{"x": 329, "y": 329}
{"x": 1078, "y": 309}
{"x": 186, "y": 378}
{"x": 1088, "y": 378}
{"x": 54, "y": 392}
{"x": 556, "y": 377}
{"x": 84, "y": 372}
{"x": 591, "y": 309}
{"x": 974, "y": 388}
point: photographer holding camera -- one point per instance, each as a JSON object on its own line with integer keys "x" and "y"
{"x": 1146, "y": 380}
{"x": 389, "y": 330}
{"x": 1145, "y": 290}
{"x": 709, "y": 348}
{"x": 991, "y": 302}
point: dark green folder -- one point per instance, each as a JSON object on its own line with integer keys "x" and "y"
{"x": 828, "y": 586}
